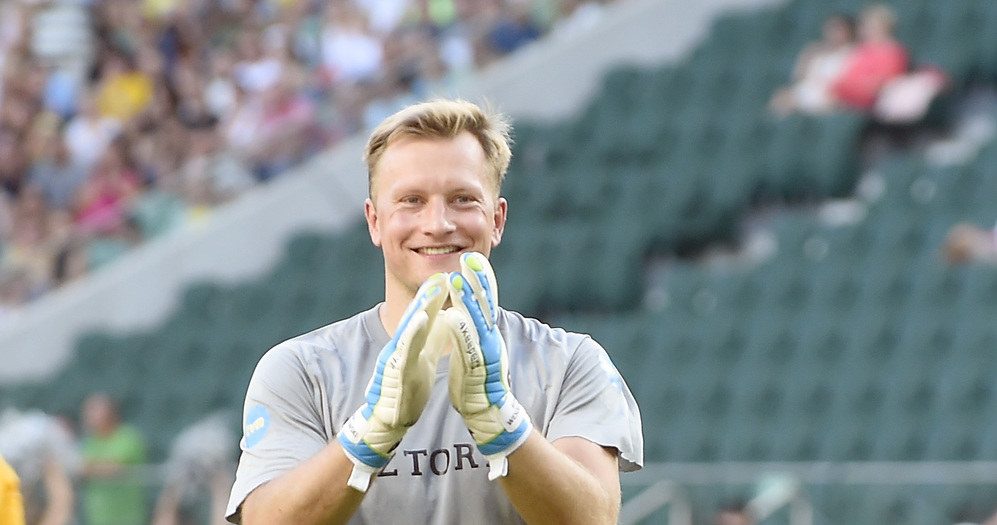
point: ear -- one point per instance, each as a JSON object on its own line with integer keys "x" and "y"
{"x": 373, "y": 226}
{"x": 501, "y": 212}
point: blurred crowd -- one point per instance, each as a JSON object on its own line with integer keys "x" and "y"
{"x": 859, "y": 64}
{"x": 121, "y": 120}
{"x": 53, "y": 474}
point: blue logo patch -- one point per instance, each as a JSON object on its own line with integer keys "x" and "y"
{"x": 257, "y": 423}
{"x": 611, "y": 372}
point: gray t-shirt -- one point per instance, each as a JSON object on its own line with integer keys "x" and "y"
{"x": 305, "y": 388}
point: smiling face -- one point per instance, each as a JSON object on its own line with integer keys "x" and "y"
{"x": 431, "y": 200}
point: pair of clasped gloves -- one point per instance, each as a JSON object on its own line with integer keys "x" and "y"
{"x": 406, "y": 368}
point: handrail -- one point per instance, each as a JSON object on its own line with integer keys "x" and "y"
{"x": 780, "y": 484}
{"x": 821, "y": 473}
{"x": 781, "y": 493}
{"x": 653, "y": 498}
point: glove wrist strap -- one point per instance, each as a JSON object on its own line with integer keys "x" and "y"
{"x": 518, "y": 427}
{"x": 366, "y": 461}
{"x": 362, "y": 475}
{"x": 498, "y": 464}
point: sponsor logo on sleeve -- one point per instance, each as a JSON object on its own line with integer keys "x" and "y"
{"x": 611, "y": 372}
{"x": 256, "y": 425}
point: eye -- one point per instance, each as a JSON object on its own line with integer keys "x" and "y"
{"x": 411, "y": 199}
{"x": 465, "y": 199}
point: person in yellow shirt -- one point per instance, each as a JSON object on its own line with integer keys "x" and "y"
{"x": 11, "y": 502}
{"x": 124, "y": 91}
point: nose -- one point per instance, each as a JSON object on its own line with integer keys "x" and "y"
{"x": 437, "y": 220}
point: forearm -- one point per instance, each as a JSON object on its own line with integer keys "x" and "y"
{"x": 314, "y": 492}
{"x": 547, "y": 486}
{"x": 59, "y": 509}
{"x": 103, "y": 469}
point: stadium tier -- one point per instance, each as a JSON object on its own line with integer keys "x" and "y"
{"x": 851, "y": 343}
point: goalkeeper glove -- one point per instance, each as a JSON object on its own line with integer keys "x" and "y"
{"x": 479, "y": 366}
{"x": 399, "y": 389}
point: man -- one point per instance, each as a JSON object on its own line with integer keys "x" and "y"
{"x": 111, "y": 496}
{"x": 968, "y": 243}
{"x": 351, "y": 424}
{"x": 736, "y": 513}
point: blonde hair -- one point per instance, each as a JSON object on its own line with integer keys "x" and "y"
{"x": 444, "y": 119}
{"x": 882, "y": 14}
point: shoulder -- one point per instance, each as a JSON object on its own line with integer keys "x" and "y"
{"x": 302, "y": 357}
{"x": 330, "y": 340}
{"x": 542, "y": 337}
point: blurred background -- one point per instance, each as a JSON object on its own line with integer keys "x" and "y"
{"x": 777, "y": 217}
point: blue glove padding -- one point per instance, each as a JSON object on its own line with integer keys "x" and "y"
{"x": 399, "y": 389}
{"x": 479, "y": 366}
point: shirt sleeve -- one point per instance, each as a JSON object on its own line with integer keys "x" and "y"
{"x": 596, "y": 404}
{"x": 282, "y": 425}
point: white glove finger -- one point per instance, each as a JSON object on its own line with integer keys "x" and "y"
{"x": 462, "y": 297}
{"x": 440, "y": 335}
{"x": 464, "y": 337}
{"x": 467, "y": 365}
{"x": 479, "y": 275}
{"x": 411, "y": 337}
{"x": 449, "y": 320}
{"x": 408, "y": 377}
{"x": 410, "y": 342}
{"x": 429, "y": 298}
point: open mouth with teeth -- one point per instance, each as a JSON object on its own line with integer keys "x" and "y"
{"x": 442, "y": 250}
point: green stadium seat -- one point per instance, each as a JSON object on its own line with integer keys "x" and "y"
{"x": 851, "y": 343}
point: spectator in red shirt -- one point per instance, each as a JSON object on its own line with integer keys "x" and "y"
{"x": 878, "y": 59}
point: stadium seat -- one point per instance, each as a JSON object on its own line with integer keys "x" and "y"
{"x": 850, "y": 343}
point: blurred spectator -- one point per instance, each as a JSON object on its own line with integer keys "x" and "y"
{"x": 256, "y": 70}
{"x": 211, "y": 176}
{"x": 55, "y": 173}
{"x": 88, "y": 134}
{"x": 817, "y": 68}
{"x": 13, "y": 161}
{"x": 220, "y": 92}
{"x": 71, "y": 261}
{"x": 198, "y": 472}
{"x": 133, "y": 118}
{"x": 878, "y": 59}
{"x": 906, "y": 99}
{"x": 513, "y": 28}
{"x": 350, "y": 51}
{"x": 968, "y": 243}
{"x": 42, "y": 450}
{"x": 124, "y": 91}
{"x": 111, "y": 494}
{"x": 11, "y": 504}
{"x": 102, "y": 201}
{"x": 62, "y": 92}
{"x": 735, "y": 513}
{"x": 61, "y": 36}
{"x": 33, "y": 241}
{"x": 274, "y": 131}
{"x": 14, "y": 291}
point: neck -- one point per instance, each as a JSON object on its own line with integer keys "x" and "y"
{"x": 396, "y": 300}
{"x": 395, "y": 303}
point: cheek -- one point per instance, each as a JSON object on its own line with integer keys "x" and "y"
{"x": 479, "y": 225}
{"x": 397, "y": 227}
